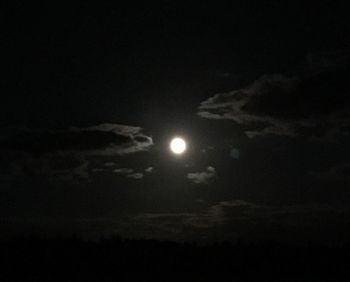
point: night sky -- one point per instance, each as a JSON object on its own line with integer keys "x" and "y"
{"x": 92, "y": 95}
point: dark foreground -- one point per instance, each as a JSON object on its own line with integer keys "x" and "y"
{"x": 147, "y": 260}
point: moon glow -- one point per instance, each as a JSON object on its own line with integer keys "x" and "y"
{"x": 178, "y": 145}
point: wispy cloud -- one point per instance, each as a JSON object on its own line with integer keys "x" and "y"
{"x": 122, "y": 170}
{"x": 149, "y": 169}
{"x": 109, "y": 164}
{"x": 136, "y": 175}
{"x": 203, "y": 177}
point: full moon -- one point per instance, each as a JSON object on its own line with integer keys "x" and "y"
{"x": 178, "y": 145}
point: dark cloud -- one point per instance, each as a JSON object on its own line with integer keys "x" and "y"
{"x": 66, "y": 153}
{"x": 310, "y": 104}
{"x": 97, "y": 169}
{"x": 231, "y": 211}
{"x": 100, "y": 140}
{"x": 203, "y": 177}
{"x": 236, "y": 218}
{"x": 339, "y": 172}
{"x": 51, "y": 166}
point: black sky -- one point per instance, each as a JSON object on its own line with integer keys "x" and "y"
{"x": 92, "y": 95}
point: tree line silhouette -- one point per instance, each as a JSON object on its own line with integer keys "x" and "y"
{"x": 117, "y": 259}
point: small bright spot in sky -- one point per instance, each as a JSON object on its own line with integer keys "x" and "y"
{"x": 178, "y": 145}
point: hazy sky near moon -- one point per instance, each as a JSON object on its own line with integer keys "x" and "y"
{"x": 94, "y": 95}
